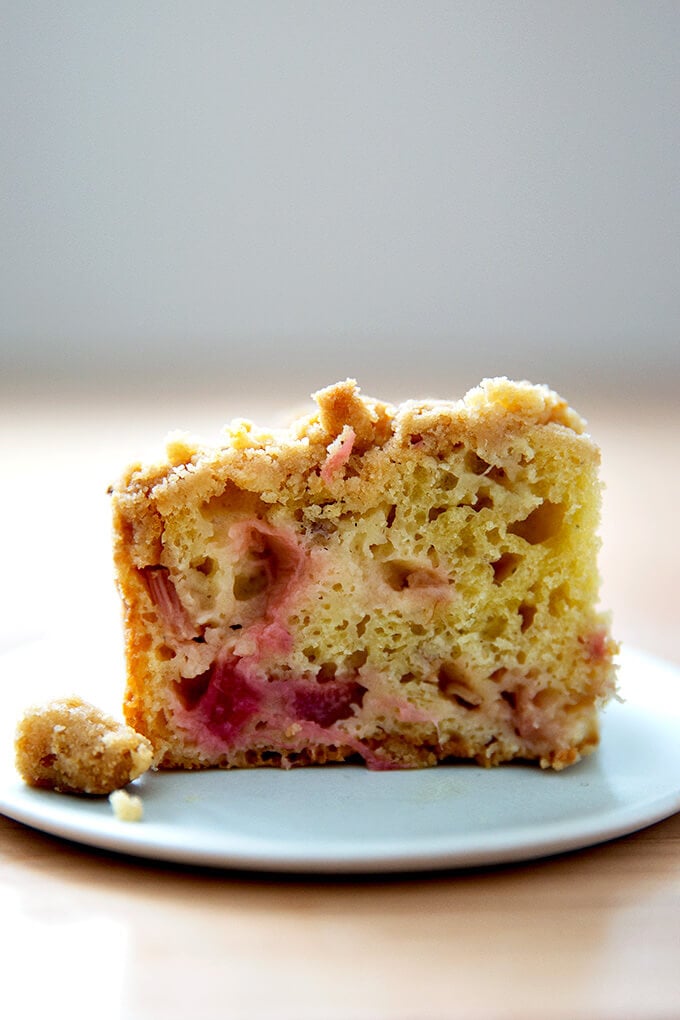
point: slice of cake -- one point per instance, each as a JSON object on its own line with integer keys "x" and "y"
{"x": 398, "y": 586}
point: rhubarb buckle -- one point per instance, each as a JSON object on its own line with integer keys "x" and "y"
{"x": 398, "y": 586}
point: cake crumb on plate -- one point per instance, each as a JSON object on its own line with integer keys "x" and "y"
{"x": 127, "y": 807}
{"x": 70, "y": 746}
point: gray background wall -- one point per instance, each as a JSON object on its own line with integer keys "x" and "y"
{"x": 275, "y": 194}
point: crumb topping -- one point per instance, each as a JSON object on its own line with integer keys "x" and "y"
{"x": 73, "y": 747}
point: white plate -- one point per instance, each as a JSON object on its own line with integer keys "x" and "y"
{"x": 347, "y": 819}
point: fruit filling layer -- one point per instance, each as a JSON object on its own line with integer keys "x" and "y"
{"x": 232, "y": 703}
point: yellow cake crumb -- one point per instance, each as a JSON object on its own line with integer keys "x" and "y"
{"x": 127, "y": 807}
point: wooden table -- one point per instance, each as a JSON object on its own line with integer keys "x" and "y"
{"x": 86, "y": 933}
